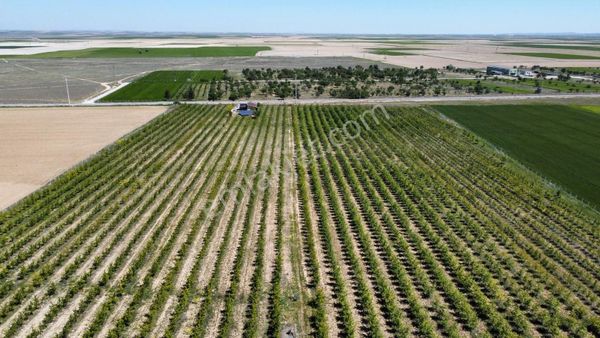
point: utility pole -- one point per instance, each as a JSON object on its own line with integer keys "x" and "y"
{"x": 68, "y": 94}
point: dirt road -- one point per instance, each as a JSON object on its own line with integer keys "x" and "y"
{"x": 380, "y": 100}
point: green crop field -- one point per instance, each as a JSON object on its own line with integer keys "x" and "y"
{"x": 523, "y": 85}
{"x": 394, "y": 51}
{"x": 551, "y": 46}
{"x": 555, "y": 85}
{"x": 557, "y": 56}
{"x": 330, "y": 221}
{"x": 564, "y": 86}
{"x": 561, "y": 143}
{"x": 149, "y": 53}
{"x": 593, "y": 109}
{"x": 153, "y": 86}
{"x": 492, "y": 86}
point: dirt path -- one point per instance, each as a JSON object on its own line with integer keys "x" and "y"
{"x": 325, "y": 272}
{"x": 294, "y": 278}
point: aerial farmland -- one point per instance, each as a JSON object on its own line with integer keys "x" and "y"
{"x": 369, "y": 183}
{"x": 197, "y": 224}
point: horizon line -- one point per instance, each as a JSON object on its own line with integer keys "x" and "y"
{"x": 147, "y": 32}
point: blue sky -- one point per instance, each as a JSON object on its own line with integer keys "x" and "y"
{"x": 306, "y": 16}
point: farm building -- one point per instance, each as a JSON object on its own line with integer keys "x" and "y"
{"x": 496, "y": 70}
{"x": 514, "y": 72}
{"x": 246, "y": 112}
{"x": 245, "y": 109}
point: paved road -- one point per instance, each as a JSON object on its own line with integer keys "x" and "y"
{"x": 390, "y": 100}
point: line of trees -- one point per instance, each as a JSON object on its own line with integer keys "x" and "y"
{"x": 338, "y": 75}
